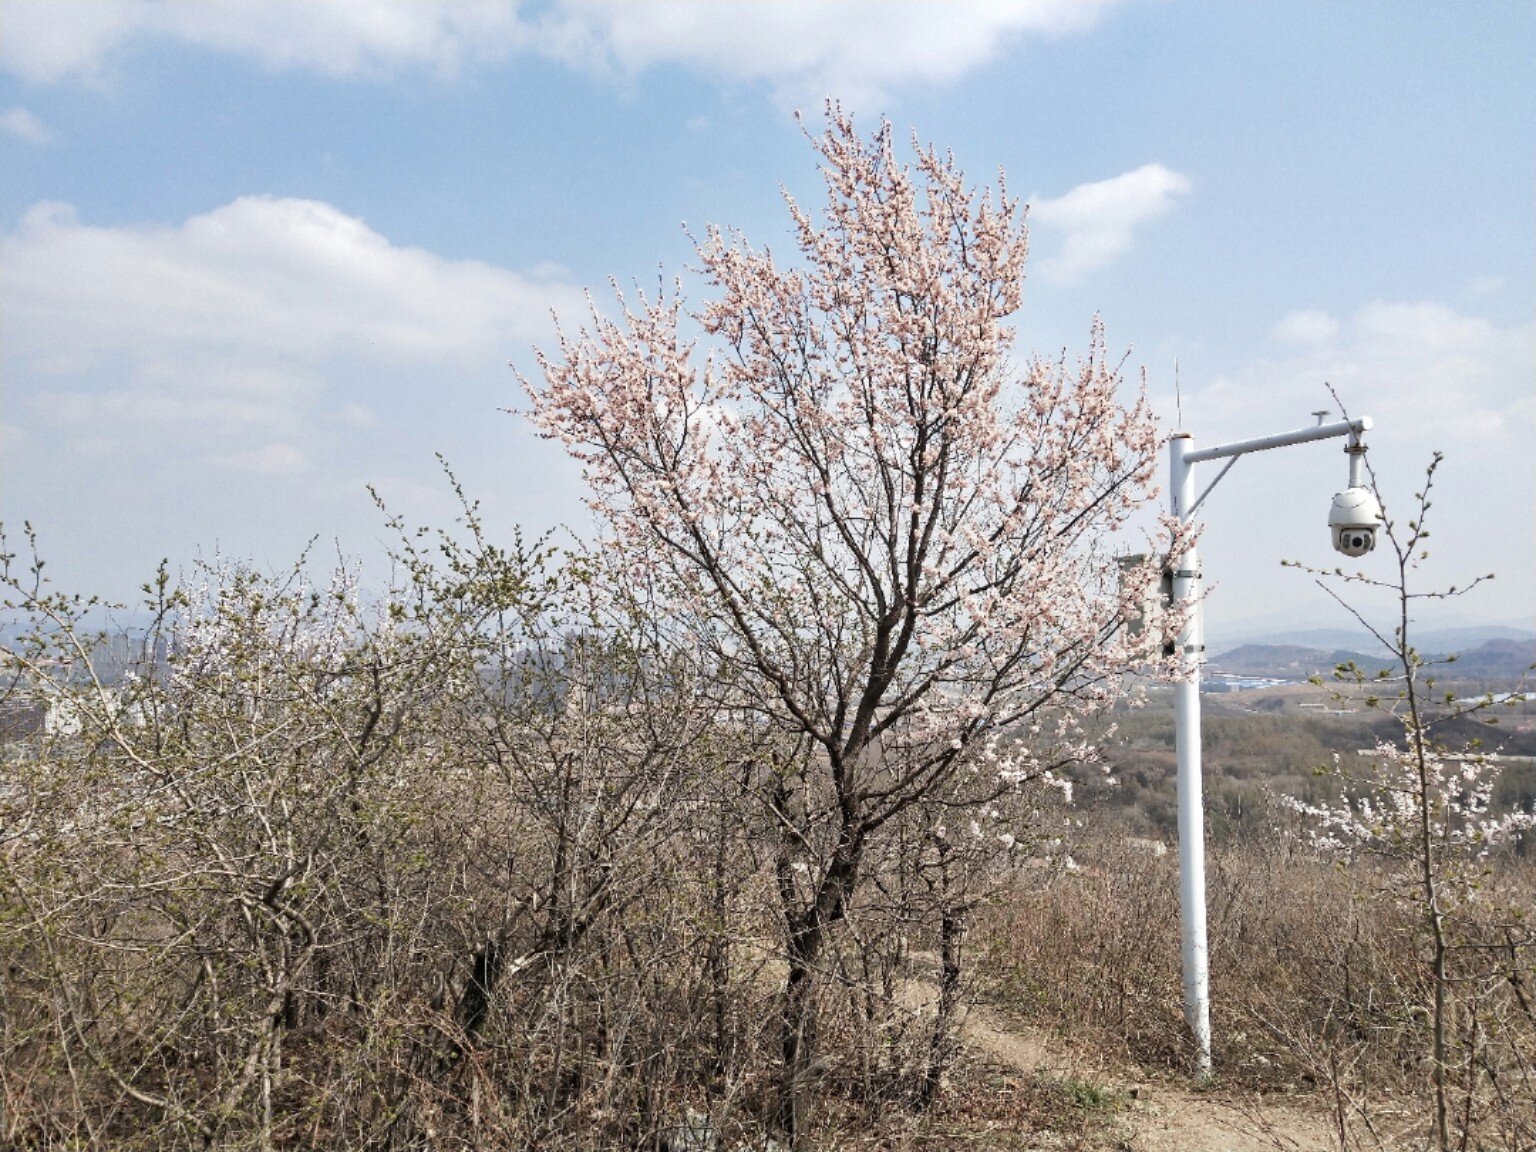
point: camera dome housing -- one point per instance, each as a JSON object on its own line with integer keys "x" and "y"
{"x": 1354, "y": 520}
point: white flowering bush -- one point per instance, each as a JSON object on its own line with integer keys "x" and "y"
{"x": 1401, "y": 802}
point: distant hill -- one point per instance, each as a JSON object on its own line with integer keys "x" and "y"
{"x": 1497, "y": 659}
{"x": 1447, "y": 639}
{"x": 1289, "y": 661}
{"x": 1500, "y": 659}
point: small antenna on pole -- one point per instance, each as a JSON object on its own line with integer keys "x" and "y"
{"x": 1178, "y": 395}
{"x": 1322, "y": 414}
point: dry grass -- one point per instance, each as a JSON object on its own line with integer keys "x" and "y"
{"x": 1319, "y": 981}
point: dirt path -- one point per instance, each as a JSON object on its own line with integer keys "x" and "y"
{"x": 1157, "y": 1117}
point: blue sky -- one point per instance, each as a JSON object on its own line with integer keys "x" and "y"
{"x": 259, "y": 256}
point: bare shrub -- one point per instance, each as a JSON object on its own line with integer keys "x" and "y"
{"x": 484, "y": 863}
{"x": 1319, "y": 980}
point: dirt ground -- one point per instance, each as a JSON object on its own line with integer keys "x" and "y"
{"x": 1151, "y": 1115}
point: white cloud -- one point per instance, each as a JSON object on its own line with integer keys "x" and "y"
{"x": 48, "y": 41}
{"x": 1420, "y": 330}
{"x": 356, "y": 415}
{"x": 1097, "y": 221}
{"x": 1308, "y": 326}
{"x": 1485, "y": 286}
{"x": 804, "y": 49}
{"x": 275, "y": 459}
{"x": 19, "y": 124}
{"x": 1437, "y": 376}
{"x": 209, "y": 403}
{"x": 233, "y": 322}
{"x": 263, "y": 277}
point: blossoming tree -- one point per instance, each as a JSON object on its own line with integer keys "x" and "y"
{"x": 890, "y": 538}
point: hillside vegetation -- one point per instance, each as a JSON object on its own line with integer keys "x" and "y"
{"x": 1266, "y": 743}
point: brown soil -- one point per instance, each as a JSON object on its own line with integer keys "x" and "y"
{"x": 1148, "y": 1116}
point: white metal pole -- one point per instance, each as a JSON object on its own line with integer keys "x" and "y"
{"x": 1356, "y": 450}
{"x": 1186, "y": 720}
{"x": 1182, "y": 458}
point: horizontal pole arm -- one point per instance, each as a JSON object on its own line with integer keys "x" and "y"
{"x": 1300, "y": 436}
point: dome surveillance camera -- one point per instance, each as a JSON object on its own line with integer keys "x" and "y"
{"x": 1354, "y": 520}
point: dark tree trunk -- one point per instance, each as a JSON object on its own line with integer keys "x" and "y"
{"x": 941, "y": 1047}
{"x": 485, "y": 975}
{"x": 808, "y": 930}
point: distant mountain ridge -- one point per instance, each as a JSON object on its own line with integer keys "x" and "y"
{"x": 1500, "y": 658}
{"x": 1461, "y": 638}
